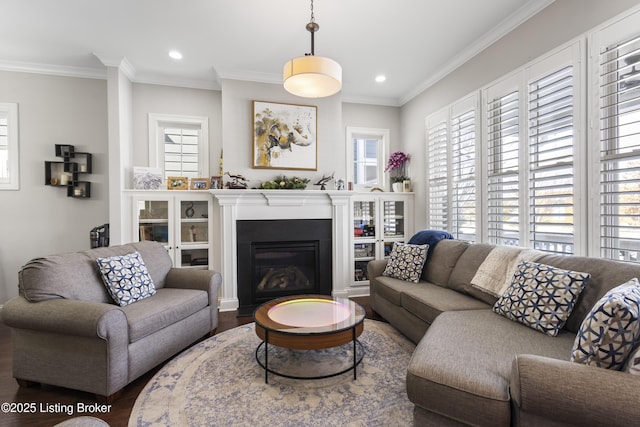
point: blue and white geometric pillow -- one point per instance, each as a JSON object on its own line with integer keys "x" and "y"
{"x": 406, "y": 262}
{"x": 633, "y": 362}
{"x": 126, "y": 278}
{"x": 611, "y": 329}
{"x": 541, "y": 296}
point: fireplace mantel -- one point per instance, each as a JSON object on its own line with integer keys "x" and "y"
{"x": 235, "y": 205}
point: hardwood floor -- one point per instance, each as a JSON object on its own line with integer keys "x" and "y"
{"x": 51, "y": 402}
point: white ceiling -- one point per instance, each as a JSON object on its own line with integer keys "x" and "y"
{"x": 412, "y": 42}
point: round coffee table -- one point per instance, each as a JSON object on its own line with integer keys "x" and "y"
{"x": 309, "y": 322}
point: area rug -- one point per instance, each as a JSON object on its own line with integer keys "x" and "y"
{"x": 219, "y": 383}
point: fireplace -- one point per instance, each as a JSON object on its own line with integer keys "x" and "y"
{"x": 280, "y": 258}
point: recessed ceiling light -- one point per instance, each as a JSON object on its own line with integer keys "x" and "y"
{"x": 175, "y": 54}
{"x": 380, "y": 78}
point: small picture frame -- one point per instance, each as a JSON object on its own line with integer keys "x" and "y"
{"x": 177, "y": 183}
{"x": 406, "y": 185}
{"x": 216, "y": 183}
{"x": 199, "y": 184}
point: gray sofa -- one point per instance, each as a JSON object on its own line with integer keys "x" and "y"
{"x": 68, "y": 332}
{"x": 472, "y": 366}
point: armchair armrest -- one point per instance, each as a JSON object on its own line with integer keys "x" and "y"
{"x": 64, "y": 316}
{"x": 375, "y": 268}
{"x": 204, "y": 280}
{"x": 547, "y": 391}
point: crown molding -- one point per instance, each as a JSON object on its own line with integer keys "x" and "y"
{"x": 506, "y": 26}
{"x": 55, "y": 70}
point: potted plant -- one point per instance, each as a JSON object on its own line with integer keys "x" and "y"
{"x": 397, "y": 165}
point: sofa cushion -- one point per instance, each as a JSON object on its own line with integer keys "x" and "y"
{"x": 611, "y": 330}
{"x": 466, "y": 374}
{"x": 126, "y": 278}
{"x": 442, "y": 261}
{"x": 427, "y": 301}
{"x": 541, "y": 296}
{"x": 406, "y": 261}
{"x": 165, "y": 308}
{"x": 429, "y": 237}
{"x": 466, "y": 269}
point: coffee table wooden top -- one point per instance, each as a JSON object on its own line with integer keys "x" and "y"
{"x": 309, "y": 321}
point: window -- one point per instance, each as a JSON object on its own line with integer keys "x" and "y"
{"x": 618, "y": 139}
{"x": 551, "y": 161}
{"x": 451, "y": 163}
{"x": 9, "y": 163}
{"x": 179, "y": 145}
{"x": 366, "y": 156}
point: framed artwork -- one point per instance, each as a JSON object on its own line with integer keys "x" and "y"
{"x": 284, "y": 136}
{"x": 177, "y": 183}
{"x": 216, "y": 182}
{"x": 199, "y": 183}
{"x": 146, "y": 178}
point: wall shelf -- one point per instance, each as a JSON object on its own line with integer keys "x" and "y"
{"x": 66, "y": 173}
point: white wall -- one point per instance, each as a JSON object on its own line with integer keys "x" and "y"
{"x": 36, "y": 219}
{"x": 177, "y": 101}
{"x": 555, "y": 25}
{"x": 237, "y": 128}
{"x": 374, "y": 116}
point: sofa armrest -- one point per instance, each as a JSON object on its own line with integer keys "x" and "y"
{"x": 204, "y": 280}
{"x": 375, "y": 268}
{"x": 546, "y": 391}
{"x": 67, "y": 317}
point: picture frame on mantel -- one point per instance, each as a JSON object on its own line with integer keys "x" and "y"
{"x": 285, "y": 136}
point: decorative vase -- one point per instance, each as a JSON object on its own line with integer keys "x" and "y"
{"x": 397, "y": 187}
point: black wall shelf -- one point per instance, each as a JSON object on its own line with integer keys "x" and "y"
{"x": 65, "y": 173}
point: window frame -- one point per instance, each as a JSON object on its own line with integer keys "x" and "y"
{"x": 156, "y": 140}
{"x": 382, "y": 135}
{"x": 13, "y": 148}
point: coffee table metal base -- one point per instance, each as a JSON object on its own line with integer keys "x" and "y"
{"x": 358, "y": 355}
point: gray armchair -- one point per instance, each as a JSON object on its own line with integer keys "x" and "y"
{"x": 68, "y": 332}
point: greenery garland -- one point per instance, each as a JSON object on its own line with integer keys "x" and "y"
{"x": 283, "y": 183}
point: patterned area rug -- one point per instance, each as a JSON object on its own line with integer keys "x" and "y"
{"x": 219, "y": 383}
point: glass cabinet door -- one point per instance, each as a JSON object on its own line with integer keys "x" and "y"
{"x": 153, "y": 220}
{"x": 393, "y": 218}
{"x": 364, "y": 219}
{"x": 194, "y": 233}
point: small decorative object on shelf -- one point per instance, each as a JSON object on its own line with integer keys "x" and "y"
{"x": 189, "y": 212}
{"x": 397, "y": 165}
{"x": 322, "y": 182}
{"x": 200, "y": 183}
{"x": 284, "y": 183}
{"x": 238, "y": 182}
{"x": 65, "y": 173}
{"x": 216, "y": 182}
{"x": 147, "y": 178}
{"x": 177, "y": 183}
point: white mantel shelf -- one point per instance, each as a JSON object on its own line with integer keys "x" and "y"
{"x": 235, "y": 205}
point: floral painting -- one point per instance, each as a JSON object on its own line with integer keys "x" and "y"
{"x": 284, "y": 136}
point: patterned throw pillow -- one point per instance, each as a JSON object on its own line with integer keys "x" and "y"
{"x": 633, "y": 362}
{"x": 541, "y": 296}
{"x": 406, "y": 262}
{"x": 611, "y": 329}
{"x": 126, "y": 278}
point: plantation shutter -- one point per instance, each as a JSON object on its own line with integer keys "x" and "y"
{"x": 551, "y": 161}
{"x": 464, "y": 201}
{"x": 437, "y": 172}
{"x": 619, "y": 149}
{"x": 181, "y": 151}
{"x": 503, "y": 152}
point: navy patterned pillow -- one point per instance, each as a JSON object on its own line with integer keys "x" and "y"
{"x": 610, "y": 331}
{"x": 126, "y": 278}
{"x": 406, "y": 261}
{"x": 541, "y": 296}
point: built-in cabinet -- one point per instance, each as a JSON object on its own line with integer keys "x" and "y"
{"x": 177, "y": 219}
{"x": 379, "y": 220}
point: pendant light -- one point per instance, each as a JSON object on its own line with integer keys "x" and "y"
{"x": 311, "y": 76}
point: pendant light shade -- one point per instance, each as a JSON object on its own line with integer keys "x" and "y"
{"x": 312, "y": 76}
